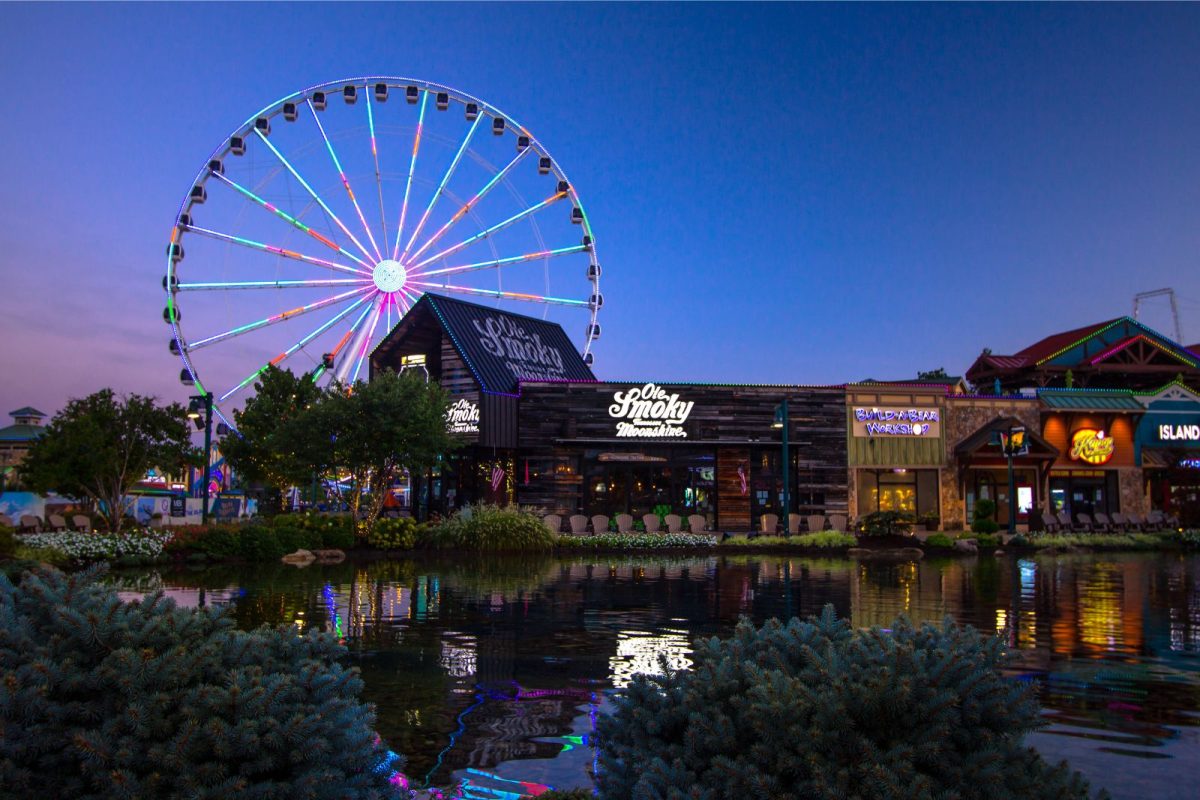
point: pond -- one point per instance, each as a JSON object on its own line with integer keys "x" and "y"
{"x": 494, "y": 670}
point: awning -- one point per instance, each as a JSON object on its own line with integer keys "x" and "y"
{"x": 984, "y": 445}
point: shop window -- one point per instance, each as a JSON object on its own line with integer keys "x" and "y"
{"x": 909, "y": 491}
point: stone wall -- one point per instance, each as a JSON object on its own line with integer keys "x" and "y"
{"x": 1132, "y": 485}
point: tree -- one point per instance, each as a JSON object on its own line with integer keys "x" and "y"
{"x": 262, "y": 450}
{"x": 817, "y": 709}
{"x": 105, "y": 699}
{"x": 373, "y": 433}
{"x": 96, "y": 449}
{"x": 938, "y": 374}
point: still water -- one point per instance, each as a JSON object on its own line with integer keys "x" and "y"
{"x": 494, "y": 671}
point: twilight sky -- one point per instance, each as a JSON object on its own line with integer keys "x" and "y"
{"x": 802, "y": 194}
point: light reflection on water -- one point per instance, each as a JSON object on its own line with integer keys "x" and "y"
{"x": 494, "y": 670}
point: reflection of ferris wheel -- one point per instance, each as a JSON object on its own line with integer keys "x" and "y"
{"x": 325, "y": 216}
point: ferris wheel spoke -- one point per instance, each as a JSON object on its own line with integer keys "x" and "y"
{"x": 312, "y": 192}
{"x": 312, "y": 284}
{"x": 532, "y": 298}
{"x": 279, "y": 251}
{"x": 467, "y": 206}
{"x": 375, "y": 155}
{"x": 486, "y": 232}
{"x": 295, "y": 348}
{"x": 277, "y": 318}
{"x": 499, "y": 262}
{"x": 345, "y": 181}
{"x": 412, "y": 166}
{"x": 441, "y": 187}
{"x": 290, "y": 219}
{"x": 359, "y": 341}
{"x": 366, "y": 345}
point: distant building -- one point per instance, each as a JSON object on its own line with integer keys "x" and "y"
{"x": 16, "y": 439}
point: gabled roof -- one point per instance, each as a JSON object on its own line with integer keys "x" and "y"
{"x": 1045, "y": 348}
{"x": 499, "y": 348}
{"x": 986, "y": 437}
{"x": 27, "y": 411}
{"x": 21, "y": 433}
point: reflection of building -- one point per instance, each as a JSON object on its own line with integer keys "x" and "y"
{"x": 15, "y": 441}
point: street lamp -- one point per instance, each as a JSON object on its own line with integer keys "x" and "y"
{"x": 781, "y": 421}
{"x": 201, "y": 407}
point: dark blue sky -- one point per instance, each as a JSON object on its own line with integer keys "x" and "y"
{"x": 780, "y": 193}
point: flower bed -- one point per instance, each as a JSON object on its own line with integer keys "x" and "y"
{"x": 100, "y": 546}
{"x": 636, "y": 541}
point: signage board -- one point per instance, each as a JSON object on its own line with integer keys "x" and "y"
{"x": 462, "y": 417}
{"x": 1092, "y": 446}
{"x": 178, "y": 506}
{"x": 922, "y": 422}
{"x": 525, "y": 352}
{"x": 650, "y": 412}
{"x": 1179, "y": 433}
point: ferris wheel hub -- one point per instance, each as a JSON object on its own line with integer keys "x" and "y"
{"x": 389, "y": 275}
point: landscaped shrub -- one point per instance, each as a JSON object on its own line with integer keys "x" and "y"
{"x": 1019, "y": 540}
{"x": 331, "y": 531}
{"x": 1099, "y": 541}
{"x": 939, "y": 540}
{"x": 144, "y": 545}
{"x": 818, "y": 539}
{"x": 986, "y": 540}
{"x": 982, "y": 521}
{"x": 393, "y": 534}
{"x": 260, "y": 543}
{"x": 106, "y": 699}
{"x": 8, "y": 544}
{"x": 886, "y": 523}
{"x": 817, "y": 709}
{"x": 489, "y": 528}
{"x": 1190, "y": 537}
{"x": 635, "y": 541}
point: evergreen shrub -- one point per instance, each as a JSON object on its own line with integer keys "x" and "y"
{"x": 393, "y": 534}
{"x": 886, "y": 523}
{"x": 490, "y": 528}
{"x": 939, "y": 540}
{"x": 982, "y": 521}
{"x": 817, "y": 709}
{"x": 986, "y": 540}
{"x": 104, "y": 699}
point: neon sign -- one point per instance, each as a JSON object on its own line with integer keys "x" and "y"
{"x": 1179, "y": 433}
{"x": 1092, "y": 446}
{"x": 649, "y": 411}
{"x": 896, "y": 421}
{"x": 462, "y": 417}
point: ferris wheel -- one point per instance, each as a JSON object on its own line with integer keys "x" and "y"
{"x": 322, "y": 219}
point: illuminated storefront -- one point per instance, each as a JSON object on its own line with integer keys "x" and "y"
{"x": 1097, "y": 468}
{"x": 1168, "y": 444}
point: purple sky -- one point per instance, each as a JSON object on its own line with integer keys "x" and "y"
{"x": 803, "y": 194}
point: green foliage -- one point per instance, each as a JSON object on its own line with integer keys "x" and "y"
{"x": 817, "y": 709}
{"x": 985, "y": 526}
{"x": 886, "y": 523}
{"x": 490, "y": 528}
{"x": 106, "y": 699}
{"x": 1190, "y": 537}
{"x": 1098, "y": 541}
{"x": 986, "y": 540}
{"x": 1018, "y": 540}
{"x": 8, "y": 542}
{"x": 329, "y": 531}
{"x": 636, "y": 541}
{"x": 145, "y": 545}
{"x": 99, "y": 447}
{"x": 939, "y": 540}
{"x": 823, "y": 540}
{"x": 393, "y": 534}
{"x": 41, "y": 555}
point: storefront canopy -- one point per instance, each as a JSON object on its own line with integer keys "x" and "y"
{"x": 982, "y": 448}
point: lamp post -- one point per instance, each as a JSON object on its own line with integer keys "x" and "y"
{"x": 781, "y": 421}
{"x": 1014, "y": 444}
{"x": 203, "y": 404}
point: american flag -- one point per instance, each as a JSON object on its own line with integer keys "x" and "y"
{"x": 497, "y": 477}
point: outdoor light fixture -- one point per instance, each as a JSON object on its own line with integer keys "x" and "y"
{"x": 781, "y": 421}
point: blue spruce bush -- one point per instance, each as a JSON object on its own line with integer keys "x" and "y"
{"x": 816, "y": 709}
{"x": 105, "y": 699}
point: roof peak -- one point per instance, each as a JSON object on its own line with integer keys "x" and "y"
{"x": 27, "y": 411}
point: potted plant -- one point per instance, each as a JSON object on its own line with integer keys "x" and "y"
{"x": 930, "y": 520}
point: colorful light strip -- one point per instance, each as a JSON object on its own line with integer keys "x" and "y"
{"x": 441, "y": 187}
{"x": 294, "y": 312}
{"x": 362, "y": 354}
{"x": 1141, "y": 337}
{"x": 483, "y": 234}
{"x": 378, "y": 178}
{"x": 562, "y": 251}
{"x": 270, "y": 248}
{"x": 412, "y": 166}
{"x": 183, "y": 287}
{"x": 312, "y": 192}
{"x": 466, "y": 208}
{"x": 290, "y": 219}
{"x": 342, "y": 174}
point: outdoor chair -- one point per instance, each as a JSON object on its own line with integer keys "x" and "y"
{"x": 579, "y": 524}
{"x": 553, "y": 522}
{"x": 1050, "y": 523}
{"x": 1171, "y": 520}
{"x": 1102, "y": 523}
{"x": 697, "y": 523}
{"x": 1155, "y": 521}
{"x": 6, "y": 521}
{"x": 674, "y": 523}
{"x": 768, "y": 524}
{"x": 816, "y": 522}
{"x": 82, "y": 523}
{"x": 837, "y": 522}
{"x": 794, "y": 521}
{"x": 652, "y": 522}
{"x": 1085, "y": 523}
{"x": 624, "y": 523}
{"x": 1134, "y": 522}
{"x": 29, "y": 524}
{"x": 1119, "y": 521}
{"x": 55, "y": 522}
{"x": 1065, "y": 523}
{"x": 599, "y": 524}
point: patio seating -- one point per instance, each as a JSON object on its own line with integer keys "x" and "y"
{"x": 29, "y": 524}
{"x": 624, "y": 523}
{"x": 1050, "y": 522}
{"x": 794, "y": 521}
{"x": 837, "y": 522}
{"x": 1102, "y": 523}
{"x": 768, "y": 524}
{"x": 1155, "y": 521}
{"x": 674, "y": 523}
{"x": 1119, "y": 521}
{"x": 553, "y": 522}
{"x": 651, "y": 522}
{"x": 579, "y": 524}
{"x": 1085, "y": 523}
{"x": 82, "y": 523}
{"x": 1066, "y": 523}
{"x": 816, "y": 522}
{"x": 55, "y": 522}
{"x": 1171, "y": 520}
{"x": 599, "y": 524}
{"x": 1134, "y": 522}
{"x": 6, "y": 521}
{"x": 697, "y": 523}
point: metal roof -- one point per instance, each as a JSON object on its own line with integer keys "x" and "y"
{"x": 1090, "y": 401}
{"x": 27, "y": 411}
{"x": 21, "y": 433}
